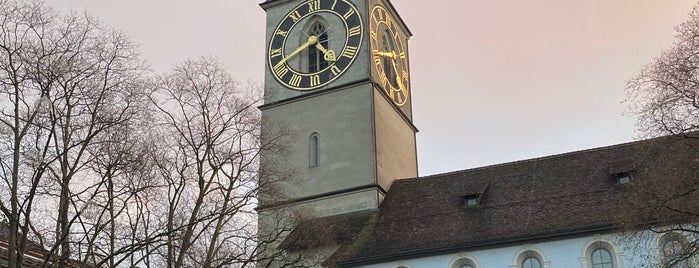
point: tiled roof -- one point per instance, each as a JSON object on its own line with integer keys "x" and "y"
{"x": 34, "y": 254}
{"x": 567, "y": 194}
{"x": 331, "y": 230}
{"x": 29, "y": 245}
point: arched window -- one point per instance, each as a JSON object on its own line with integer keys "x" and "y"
{"x": 531, "y": 262}
{"x": 464, "y": 262}
{"x": 600, "y": 252}
{"x": 601, "y": 258}
{"x": 673, "y": 247}
{"x": 530, "y": 257}
{"x": 314, "y": 149}
{"x": 316, "y": 58}
{"x": 389, "y": 63}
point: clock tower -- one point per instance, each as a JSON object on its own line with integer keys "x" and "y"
{"x": 337, "y": 78}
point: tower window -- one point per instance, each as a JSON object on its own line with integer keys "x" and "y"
{"x": 389, "y": 63}
{"x": 316, "y": 58}
{"x": 314, "y": 145}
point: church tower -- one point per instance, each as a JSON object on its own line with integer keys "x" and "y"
{"x": 337, "y": 76}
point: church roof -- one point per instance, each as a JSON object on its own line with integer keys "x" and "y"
{"x": 326, "y": 231}
{"x": 562, "y": 195}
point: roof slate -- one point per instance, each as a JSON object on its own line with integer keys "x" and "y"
{"x": 325, "y": 231}
{"x": 565, "y": 194}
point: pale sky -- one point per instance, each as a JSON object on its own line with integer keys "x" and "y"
{"x": 493, "y": 81}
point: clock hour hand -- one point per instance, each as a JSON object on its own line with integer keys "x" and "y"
{"x": 311, "y": 40}
{"x": 328, "y": 54}
{"x": 389, "y": 54}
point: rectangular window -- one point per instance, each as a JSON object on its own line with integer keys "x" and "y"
{"x": 621, "y": 178}
{"x": 471, "y": 200}
{"x": 624, "y": 179}
{"x": 312, "y": 59}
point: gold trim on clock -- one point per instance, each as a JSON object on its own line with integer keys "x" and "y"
{"x": 280, "y": 52}
{"x": 390, "y": 59}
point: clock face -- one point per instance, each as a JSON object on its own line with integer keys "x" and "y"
{"x": 315, "y": 43}
{"x": 390, "y": 57}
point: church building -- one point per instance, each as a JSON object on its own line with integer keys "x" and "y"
{"x": 337, "y": 80}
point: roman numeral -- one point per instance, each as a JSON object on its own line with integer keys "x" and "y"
{"x": 389, "y": 21}
{"x": 315, "y": 80}
{"x": 354, "y": 31}
{"x": 282, "y": 33}
{"x": 295, "y": 16}
{"x": 275, "y": 52}
{"x": 405, "y": 75}
{"x": 402, "y": 55}
{"x": 377, "y": 60}
{"x": 313, "y": 5}
{"x": 280, "y": 70}
{"x": 373, "y": 35}
{"x": 348, "y": 14}
{"x": 335, "y": 70}
{"x": 349, "y": 51}
{"x": 384, "y": 80}
{"x": 397, "y": 98}
{"x": 295, "y": 80}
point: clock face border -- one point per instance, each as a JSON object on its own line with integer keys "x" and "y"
{"x": 381, "y": 22}
{"x": 276, "y": 50}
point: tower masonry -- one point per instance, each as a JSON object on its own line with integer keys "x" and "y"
{"x": 337, "y": 77}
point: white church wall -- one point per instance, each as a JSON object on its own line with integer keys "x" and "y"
{"x": 625, "y": 251}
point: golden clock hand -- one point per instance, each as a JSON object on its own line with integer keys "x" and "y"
{"x": 390, "y": 54}
{"x": 311, "y": 40}
{"x": 398, "y": 80}
{"x": 328, "y": 54}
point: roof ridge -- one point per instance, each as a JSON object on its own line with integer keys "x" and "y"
{"x": 542, "y": 158}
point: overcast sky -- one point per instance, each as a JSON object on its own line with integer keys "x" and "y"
{"x": 493, "y": 81}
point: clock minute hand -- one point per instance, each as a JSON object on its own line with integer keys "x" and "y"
{"x": 311, "y": 40}
{"x": 398, "y": 79}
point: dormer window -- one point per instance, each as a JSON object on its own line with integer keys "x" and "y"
{"x": 621, "y": 178}
{"x": 471, "y": 200}
{"x": 624, "y": 179}
{"x": 473, "y": 196}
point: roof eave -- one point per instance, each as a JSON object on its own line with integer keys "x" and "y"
{"x": 471, "y": 245}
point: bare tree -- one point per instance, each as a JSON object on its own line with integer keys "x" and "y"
{"x": 663, "y": 198}
{"x": 69, "y": 84}
{"x": 665, "y": 94}
{"x": 103, "y": 166}
{"x": 208, "y": 151}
